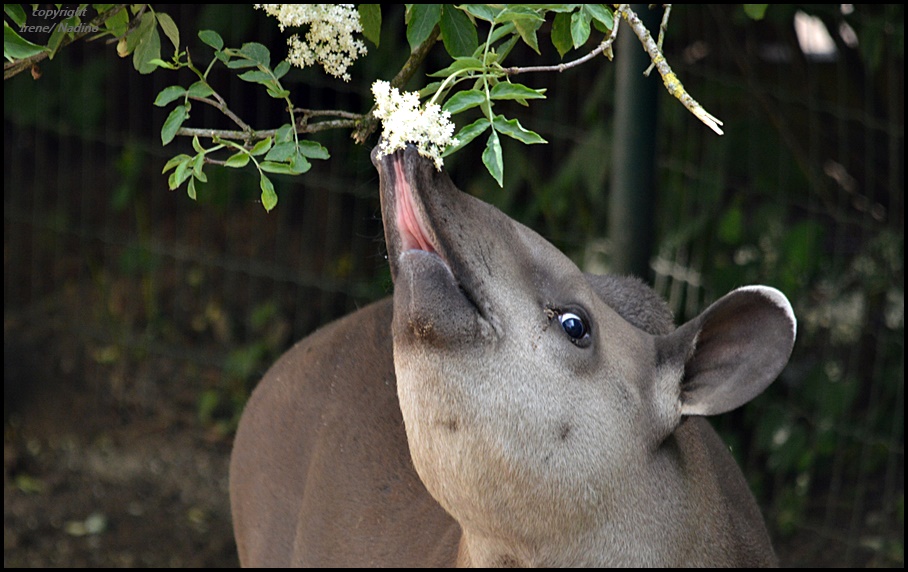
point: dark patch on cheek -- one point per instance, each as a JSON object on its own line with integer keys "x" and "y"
{"x": 422, "y": 329}
{"x": 506, "y": 561}
{"x": 452, "y": 425}
{"x": 563, "y": 431}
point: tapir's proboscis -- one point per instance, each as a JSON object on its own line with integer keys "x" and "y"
{"x": 504, "y": 409}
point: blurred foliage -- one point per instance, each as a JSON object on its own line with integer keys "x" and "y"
{"x": 220, "y": 407}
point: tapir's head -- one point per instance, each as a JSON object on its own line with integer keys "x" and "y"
{"x": 530, "y": 388}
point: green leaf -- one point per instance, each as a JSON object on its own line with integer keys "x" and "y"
{"x": 284, "y": 133}
{"x": 162, "y": 64}
{"x": 16, "y": 13}
{"x": 257, "y": 53}
{"x": 491, "y": 158}
{"x": 527, "y": 30}
{"x": 200, "y": 89}
{"x": 601, "y": 13}
{"x": 505, "y": 90}
{"x": 173, "y": 123}
{"x": 197, "y": 165}
{"x": 261, "y": 147}
{"x": 211, "y": 38}
{"x": 276, "y": 93}
{"x": 299, "y": 164}
{"x": 512, "y": 128}
{"x": 561, "y": 33}
{"x": 313, "y": 150}
{"x": 580, "y": 28}
{"x": 755, "y": 11}
{"x": 196, "y": 145}
{"x": 516, "y": 13}
{"x": 464, "y": 100}
{"x": 170, "y": 29}
{"x": 237, "y": 160}
{"x": 118, "y": 24}
{"x": 58, "y": 35}
{"x": 133, "y": 38}
{"x": 190, "y": 189}
{"x": 370, "y": 18}
{"x": 281, "y": 69}
{"x": 174, "y": 161}
{"x": 242, "y": 62}
{"x": 169, "y": 94}
{"x": 148, "y": 47}
{"x": 423, "y": 18}
{"x": 467, "y": 134}
{"x": 255, "y": 76}
{"x": 279, "y": 168}
{"x": 281, "y": 152}
{"x": 457, "y": 32}
{"x": 269, "y": 197}
{"x": 501, "y": 31}
{"x": 486, "y": 12}
{"x": 15, "y": 47}
{"x": 505, "y": 47}
{"x": 429, "y": 89}
{"x": 183, "y": 172}
{"x": 458, "y": 65}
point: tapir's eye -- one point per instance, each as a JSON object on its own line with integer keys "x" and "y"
{"x": 573, "y": 326}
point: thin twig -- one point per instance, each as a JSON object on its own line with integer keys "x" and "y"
{"x": 221, "y": 133}
{"x": 662, "y": 28}
{"x": 263, "y": 134}
{"x": 606, "y": 44}
{"x": 221, "y": 106}
{"x": 671, "y": 81}
{"x": 328, "y": 113}
{"x": 348, "y": 120}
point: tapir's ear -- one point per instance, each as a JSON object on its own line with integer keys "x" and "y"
{"x": 732, "y": 351}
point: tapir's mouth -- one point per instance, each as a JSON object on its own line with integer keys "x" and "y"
{"x": 420, "y": 208}
{"x": 409, "y": 227}
{"x": 411, "y": 231}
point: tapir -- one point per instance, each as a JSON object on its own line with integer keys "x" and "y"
{"x": 504, "y": 409}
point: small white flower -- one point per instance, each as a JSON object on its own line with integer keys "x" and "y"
{"x": 430, "y": 129}
{"x": 330, "y": 40}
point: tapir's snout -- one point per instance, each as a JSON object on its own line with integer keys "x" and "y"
{"x": 429, "y": 230}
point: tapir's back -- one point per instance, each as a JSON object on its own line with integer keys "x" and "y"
{"x": 321, "y": 472}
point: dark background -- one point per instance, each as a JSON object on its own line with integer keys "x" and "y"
{"x": 136, "y": 321}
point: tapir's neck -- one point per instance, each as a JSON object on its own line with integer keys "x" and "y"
{"x": 622, "y": 533}
{"x": 604, "y": 547}
{"x": 487, "y": 551}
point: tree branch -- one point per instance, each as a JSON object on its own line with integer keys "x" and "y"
{"x": 671, "y": 81}
{"x": 662, "y": 28}
{"x": 605, "y": 45}
{"x": 249, "y": 136}
{"x": 221, "y": 106}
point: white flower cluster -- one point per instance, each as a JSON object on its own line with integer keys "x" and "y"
{"x": 330, "y": 40}
{"x": 430, "y": 129}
